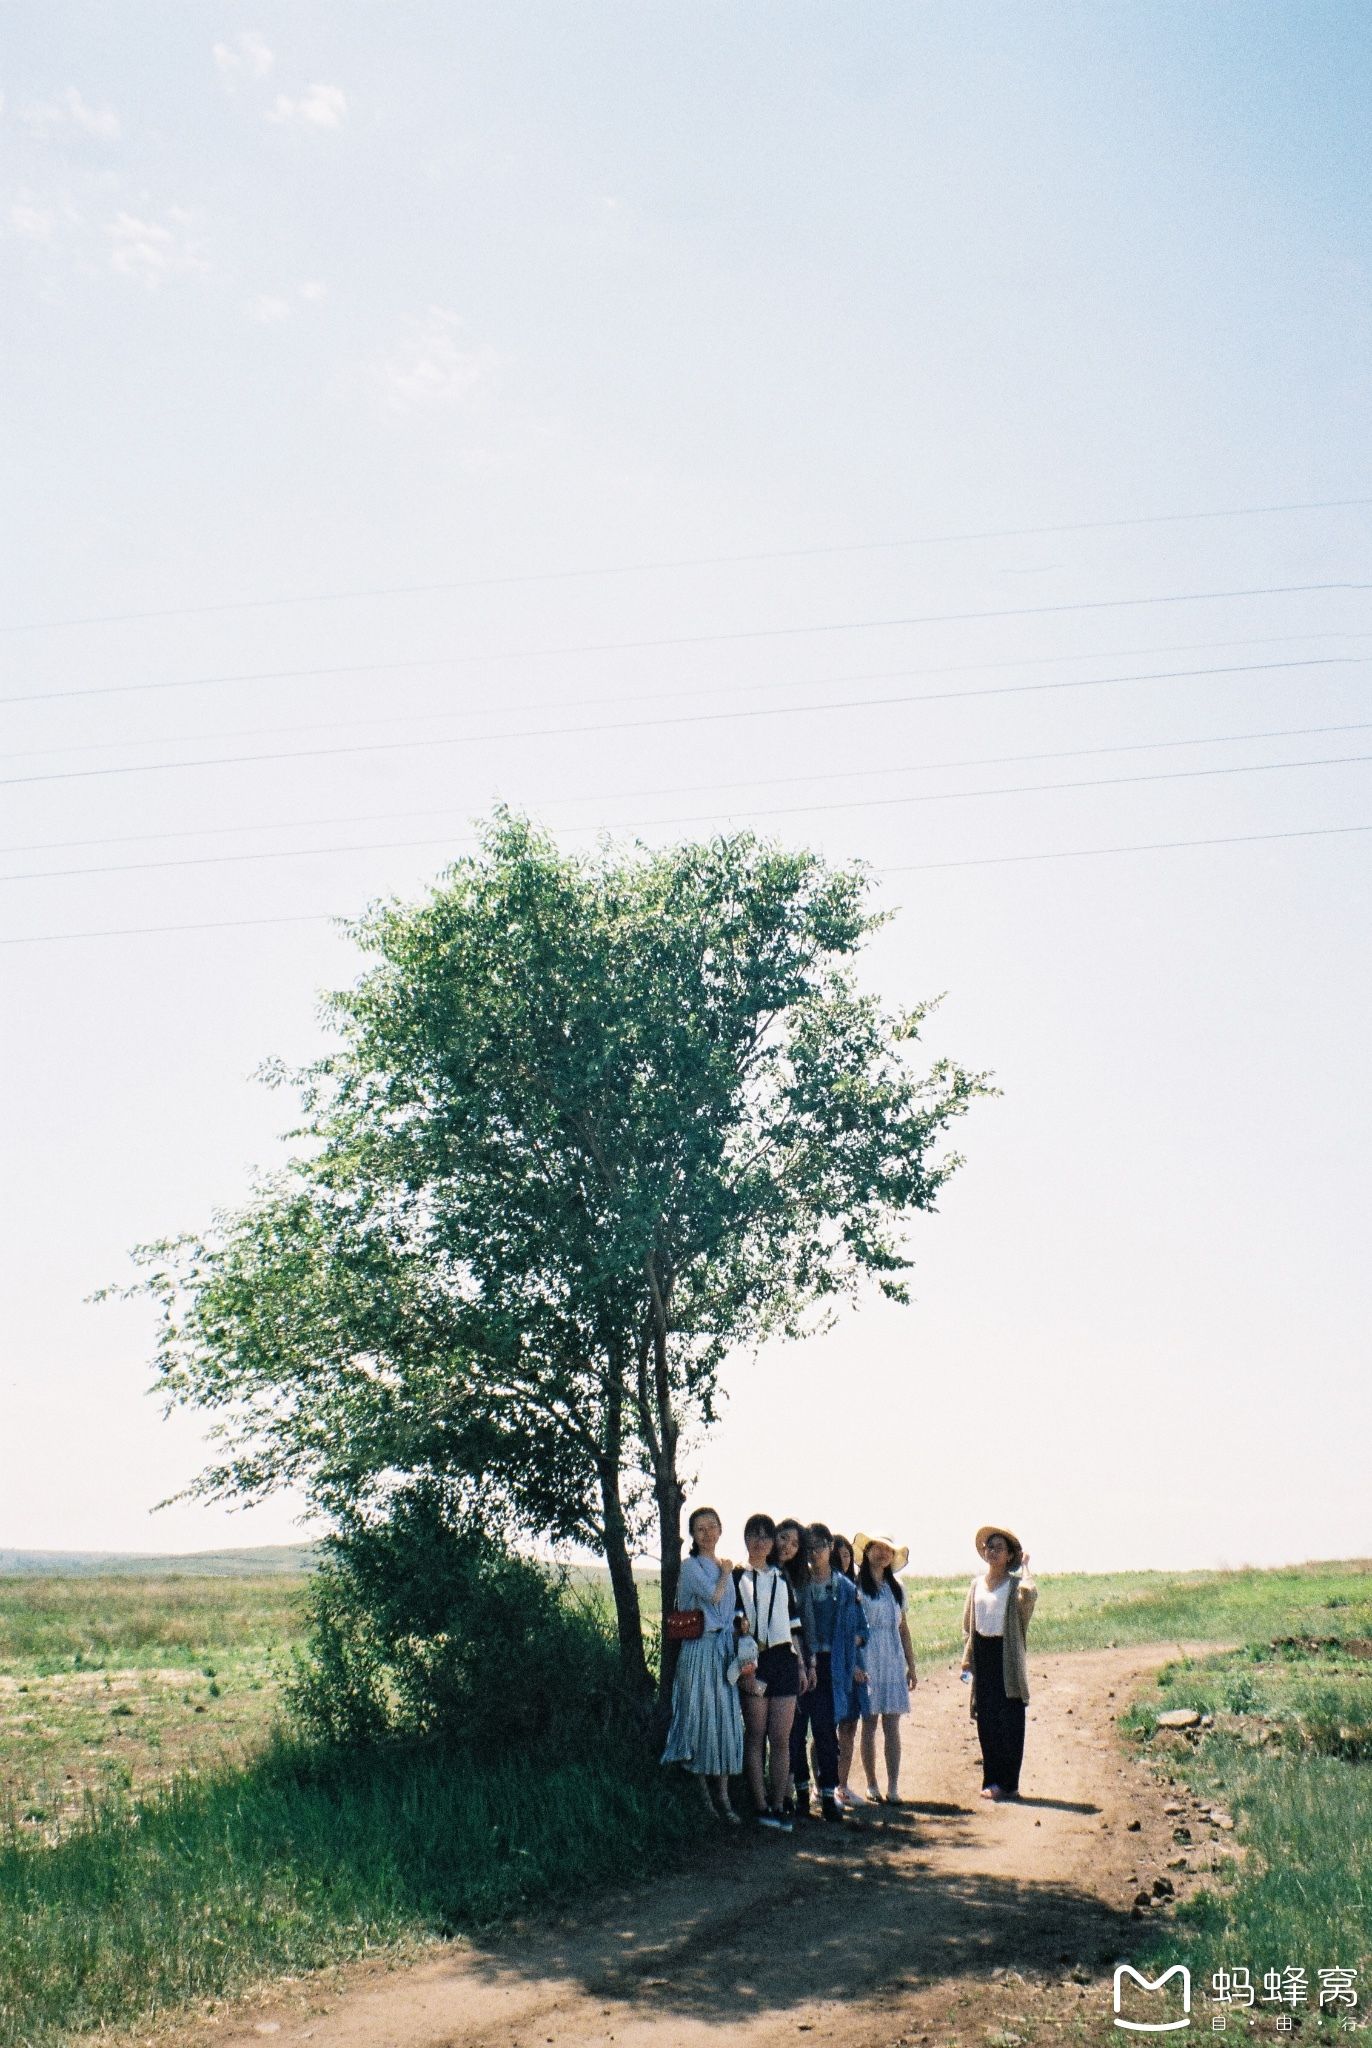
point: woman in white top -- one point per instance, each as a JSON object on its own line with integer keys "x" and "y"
{"x": 767, "y": 1611}
{"x": 994, "y": 1620}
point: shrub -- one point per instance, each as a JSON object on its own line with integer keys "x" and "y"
{"x": 424, "y": 1624}
{"x": 1334, "y": 1721}
{"x": 1242, "y": 1696}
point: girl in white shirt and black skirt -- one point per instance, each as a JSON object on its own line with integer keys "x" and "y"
{"x": 768, "y": 1612}
{"x": 995, "y": 1620}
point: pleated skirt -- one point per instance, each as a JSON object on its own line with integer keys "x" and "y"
{"x": 706, "y": 1734}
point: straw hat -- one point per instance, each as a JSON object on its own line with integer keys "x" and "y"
{"x": 998, "y": 1529}
{"x": 901, "y": 1551}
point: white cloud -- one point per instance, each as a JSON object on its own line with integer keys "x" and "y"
{"x": 269, "y": 312}
{"x": 33, "y": 222}
{"x": 149, "y": 251}
{"x": 319, "y": 106}
{"x": 313, "y": 290}
{"x": 430, "y": 370}
{"x": 247, "y": 56}
{"x": 70, "y": 110}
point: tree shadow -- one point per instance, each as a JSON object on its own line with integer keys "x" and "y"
{"x": 707, "y": 1944}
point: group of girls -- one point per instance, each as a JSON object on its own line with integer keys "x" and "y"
{"x": 797, "y": 1650}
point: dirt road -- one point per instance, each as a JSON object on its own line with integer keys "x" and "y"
{"x": 945, "y": 1920}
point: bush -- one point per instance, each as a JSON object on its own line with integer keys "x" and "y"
{"x": 1333, "y": 1721}
{"x": 425, "y": 1624}
{"x": 1242, "y": 1696}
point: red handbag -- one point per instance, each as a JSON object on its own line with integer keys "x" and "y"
{"x": 684, "y": 1625}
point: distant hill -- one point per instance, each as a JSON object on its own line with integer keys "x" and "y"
{"x": 268, "y": 1560}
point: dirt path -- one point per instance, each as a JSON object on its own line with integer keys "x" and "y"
{"x": 939, "y": 1921}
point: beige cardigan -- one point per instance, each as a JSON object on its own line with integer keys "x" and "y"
{"x": 1018, "y": 1609}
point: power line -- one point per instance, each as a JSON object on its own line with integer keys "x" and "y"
{"x": 1287, "y": 732}
{"x": 909, "y": 868}
{"x": 1030, "y": 611}
{"x": 692, "y": 689}
{"x": 684, "y": 718}
{"x": 133, "y": 931}
{"x": 945, "y": 796}
{"x": 685, "y": 562}
{"x": 996, "y": 860}
{"x": 860, "y": 803}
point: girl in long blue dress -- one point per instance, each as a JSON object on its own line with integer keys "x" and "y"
{"x": 888, "y": 1659}
{"x": 706, "y": 1734}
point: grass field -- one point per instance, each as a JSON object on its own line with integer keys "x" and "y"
{"x": 1090, "y": 1611}
{"x": 162, "y": 1846}
{"x": 120, "y": 1685}
{"x": 1288, "y": 1757}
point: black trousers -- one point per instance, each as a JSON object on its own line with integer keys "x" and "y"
{"x": 1000, "y": 1720}
{"x": 815, "y": 1720}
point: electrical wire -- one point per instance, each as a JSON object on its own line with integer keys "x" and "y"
{"x": 684, "y": 718}
{"x": 860, "y": 803}
{"x": 654, "y": 697}
{"x": 909, "y": 868}
{"x": 691, "y": 689}
{"x": 996, "y": 860}
{"x": 1288, "y": 732}
{"x": 686, "y": 562}
{"x": 134, "y": 931}
{"x": 747, "y": 633}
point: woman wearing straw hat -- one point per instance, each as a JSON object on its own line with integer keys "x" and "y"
{"x": 888, "y": 1657}
{"x": 994, "y": 1620}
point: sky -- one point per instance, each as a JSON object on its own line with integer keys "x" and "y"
{"x": 934, "y": 434}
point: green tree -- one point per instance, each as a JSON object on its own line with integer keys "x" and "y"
{"x": 593, "y": 1123}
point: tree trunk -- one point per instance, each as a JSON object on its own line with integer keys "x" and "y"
{"x": 615, "y": 1535}
{"x": 658, "y": 1430}
{"x": 670, "y": 1497}
{"x": 623, "y": 1585}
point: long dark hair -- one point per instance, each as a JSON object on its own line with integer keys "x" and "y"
{"x": 869, "y": 1584}
{"x": 846, "y": 1571}
{"x": 797, "y": 1568}
{"x": 691, "y": 1521}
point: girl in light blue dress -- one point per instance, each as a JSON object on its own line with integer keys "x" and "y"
{"x": 706, "y": 1735}
{"x": 888, "y": 1659}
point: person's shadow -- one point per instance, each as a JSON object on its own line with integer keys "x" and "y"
{"x": 1058, "y": 1805}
